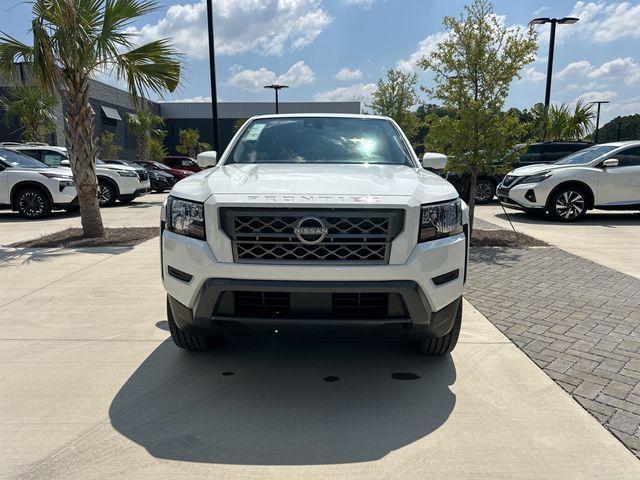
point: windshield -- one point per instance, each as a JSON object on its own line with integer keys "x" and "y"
{"x": 20, "y": 160}
{"x": 585, "y": 156}
{"x": 162, "y": 166}
{"x": 320, "y": 140}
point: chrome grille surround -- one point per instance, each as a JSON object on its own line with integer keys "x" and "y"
{"x": 268, "y": 235}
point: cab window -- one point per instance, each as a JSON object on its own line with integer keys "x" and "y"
{"x": 628, "y": 158}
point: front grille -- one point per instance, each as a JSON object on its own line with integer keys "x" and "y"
{"x": 508, "y": 180}
{"x": 350, "y": 236}
{"x": 352, "y": 305}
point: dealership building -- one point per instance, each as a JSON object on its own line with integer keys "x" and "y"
{"x": 110, "y": 104}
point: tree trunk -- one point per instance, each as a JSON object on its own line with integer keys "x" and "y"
{"x": 472, "y": 199}
{"x": 143, "y": 148}
{"x": 82, "y": 153}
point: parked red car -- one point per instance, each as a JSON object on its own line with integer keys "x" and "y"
{"x": 176, "y": 172}
{"x": 182, "y": 163}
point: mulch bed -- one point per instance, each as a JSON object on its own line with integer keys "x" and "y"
{"x": 113, "y": 237}
{"x": 503, "y": 238}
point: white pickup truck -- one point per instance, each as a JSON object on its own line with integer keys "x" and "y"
{"x": 315, "y": 225}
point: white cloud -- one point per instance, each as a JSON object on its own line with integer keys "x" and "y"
{"x": 198, "y": 99}
{"x": 360, "y": 3}
{"x": 575, "y": 87}
{"x": 425, "y": 47}
{"x": 266, "y": 26}
{"x": 625, "y": 69}
{"x": 541, "y": 10}
{"x": 531, "y": 75}
{"x": 357, "y": 92}
{"x": 348, "y": 74}
{"x": 255, "y": 80}
{"x": 602, "y": 21}
{"x": 597, "y": 95}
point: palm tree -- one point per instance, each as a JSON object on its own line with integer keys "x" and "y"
{"x": 559, "y": 122}
{"x": 73, "y": 40}
{"x": 145, "y": 126}
{"x": 33, "y": 109}
{"x": 190, "y": 143}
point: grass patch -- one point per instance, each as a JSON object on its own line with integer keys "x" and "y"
{"x": 504, "y": 238}
{"x": 72, "y": 238}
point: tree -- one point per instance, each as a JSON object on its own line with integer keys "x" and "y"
{"x": 394, "y": 97}
{"x": 33, "y": 109}
{"x": 620, "y": 128}
{"x": 74, "y": 39}
{"x": 156, "y": 150}
{"x": 145, "y": 125}
{"x": 190, "y": 143}
{"x": 108, "y": 149}
{"x": 473, "y": 69}
{"x": 560, "y": 122}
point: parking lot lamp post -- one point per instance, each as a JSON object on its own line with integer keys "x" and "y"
{"x": 552, "y": 41}
{"x": 212, "y": 73}
{"x": 276, "y": 87}
{"x": 599, "y": 102}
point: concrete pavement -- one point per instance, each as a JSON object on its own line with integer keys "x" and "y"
{"x": 142, "y": 212}
{"x": 91, "y": 388}
{"x": 607, "y": 238}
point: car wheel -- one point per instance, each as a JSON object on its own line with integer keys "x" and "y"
{"x": 186, "y": 340}
{"x": 445, "y": 344}
{"x": 568, "y": 204}
{"x": 106, "y": 194}
{"x": 485, "y": 191}
{"x": 33, "y": 203}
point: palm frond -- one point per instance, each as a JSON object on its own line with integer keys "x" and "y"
{"x": 12, "y": 50}
{"x": 151, "y": 67}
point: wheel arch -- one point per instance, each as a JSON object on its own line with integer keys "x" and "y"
{"x": 575, "y": 184}
{"x": 18, "y": 187}
{"x": 111, "y": 182}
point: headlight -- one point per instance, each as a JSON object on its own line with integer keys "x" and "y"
{"x": 127, "y": 173}
{"x": 440, "y": 220}
{"x": 536, "y": 178}
{"x": 185, "y": 217}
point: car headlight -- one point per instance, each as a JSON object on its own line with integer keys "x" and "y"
{"x": 440, "y": 220}
{"x": 537, "y": 177}
{"x": 185, "y": 217}
{"x": 127, "y": 173}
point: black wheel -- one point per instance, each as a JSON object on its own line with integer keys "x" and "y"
{"x": 485, "y": 191}
{"x": 187, "y": 340}
{"x": 446, "y": 344}
{"x": 106, "y": 194}
{"x": 33, "y": 203}
{"x": 568, "y": 204}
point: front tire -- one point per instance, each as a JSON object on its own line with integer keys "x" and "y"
{"x": 33, "y": 203}
{"x": 485, "y": 191}
{"x": 106, "y": 194}
{"x": 445, "y": 344}
{"x": 186, "y": 340}
{"x": 568, "y": 204}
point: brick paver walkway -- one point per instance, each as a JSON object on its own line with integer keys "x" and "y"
{"x": 579, "y": 321}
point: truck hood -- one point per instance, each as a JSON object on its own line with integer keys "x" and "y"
{"x": 316, "y": 179}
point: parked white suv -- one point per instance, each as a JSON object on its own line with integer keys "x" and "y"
{"x": 604, "y": 176}
{"x": 116, "y": 182}
{"x": 32, "y": 188}
{"x": 320, "y": 225}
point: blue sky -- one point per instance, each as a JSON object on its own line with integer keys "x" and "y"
{"x": 337, "y": 49}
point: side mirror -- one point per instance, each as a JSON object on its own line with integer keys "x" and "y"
{"x": 610, "y": 162}
{"x": 207, "y": 159}
{"x": 65, "y": 163}
{"x": 434, "y": 161}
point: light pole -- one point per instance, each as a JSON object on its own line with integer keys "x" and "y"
{"x": 599, "y": 102}
{"x": 212, "y": 73}
{"x": 552, "y": 41}
{"x": 276, "y": 87}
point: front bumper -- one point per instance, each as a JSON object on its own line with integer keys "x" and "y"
{"x": 429, "y": 306}
{"x": 526, "y": 196}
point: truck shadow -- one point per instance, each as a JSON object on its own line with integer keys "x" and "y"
{"x": 284, "y": 402}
